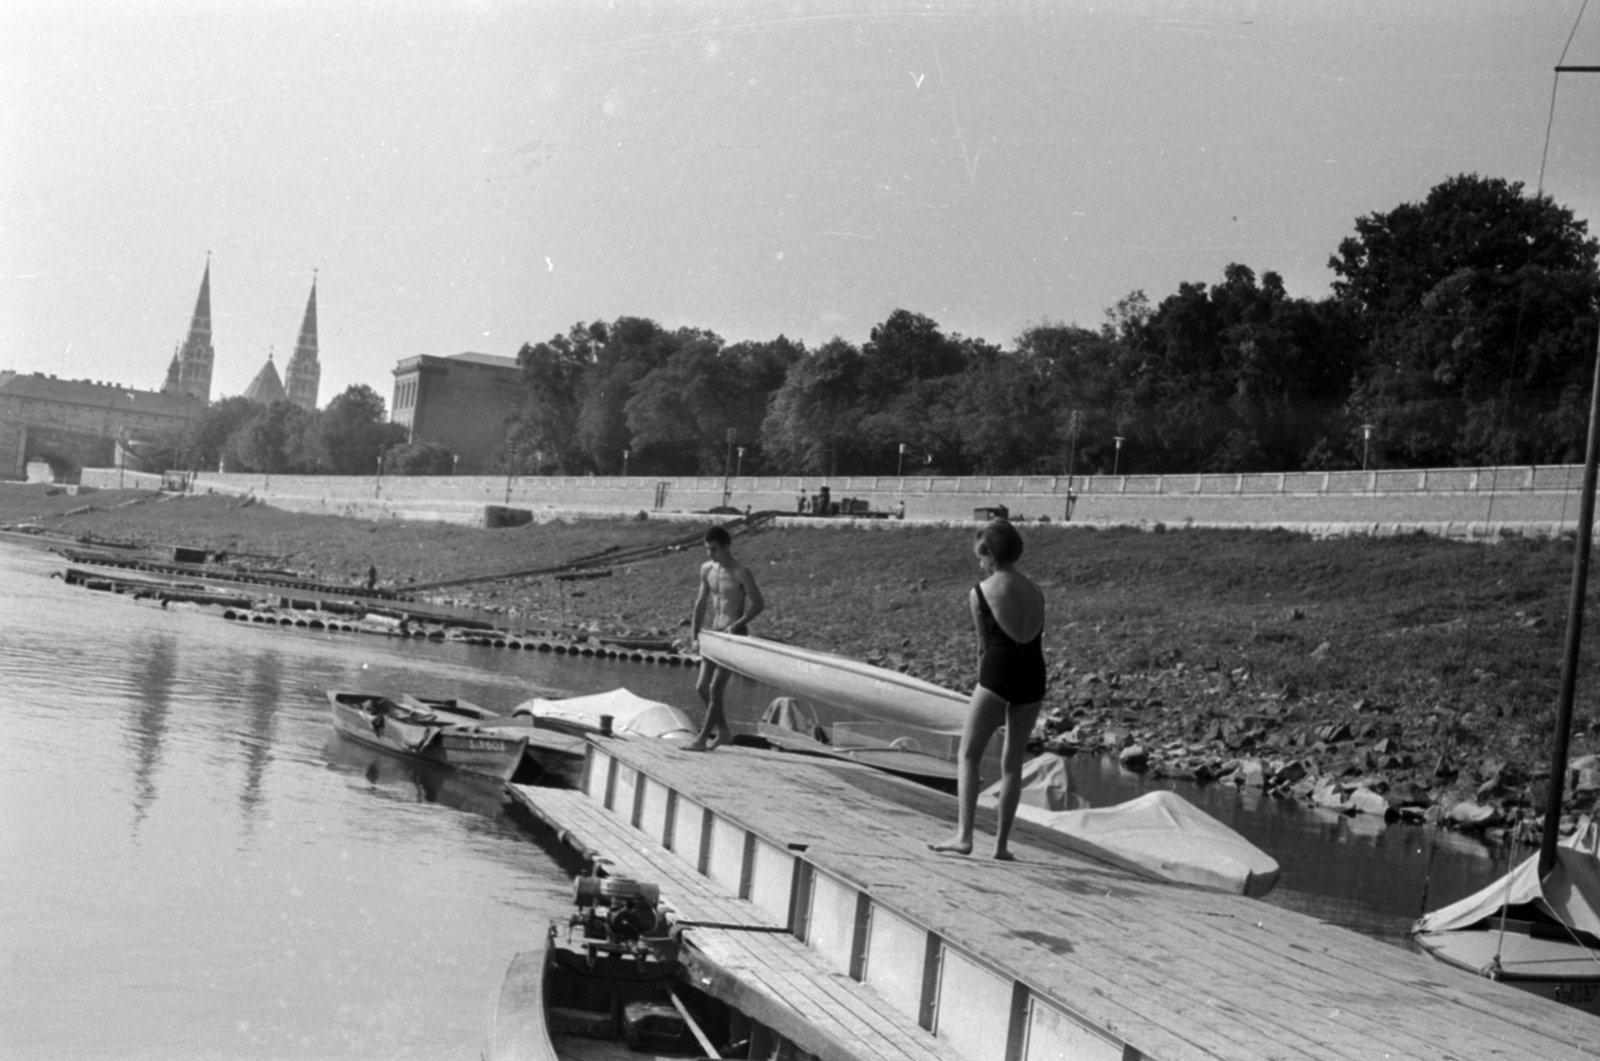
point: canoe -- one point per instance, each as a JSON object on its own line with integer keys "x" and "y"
{"x": 1539, "y": 935}
{"x": 426, "y": 735}
{"x": 1160, "y": 831}
{"x": 609, "y": 985}
{"x": 851, "y": 684}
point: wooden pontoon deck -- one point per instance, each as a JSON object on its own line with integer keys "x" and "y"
{"x": 812, "y": 896}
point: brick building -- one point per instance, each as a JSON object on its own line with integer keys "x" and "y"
{"x": 462, "y": 402}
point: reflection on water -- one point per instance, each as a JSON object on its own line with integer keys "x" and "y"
{"x": 146, "y": 726}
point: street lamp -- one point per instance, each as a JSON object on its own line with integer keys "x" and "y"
{"x": 727, "y": 468}
{"x": 455, "y": 464}
{"x": 1366, "y": 439}
{"x": 738, "y": 468}
{"x": 377, "y": 483}
{"x": 900, "y": 468}
{"x": 1116, "y": 460}
{"x": 511, "y": 469}
{"x": 625, "y": 455}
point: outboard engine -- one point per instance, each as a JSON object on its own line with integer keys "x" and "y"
{"x": 619, "y": 915}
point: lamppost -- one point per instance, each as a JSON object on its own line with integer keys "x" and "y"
{"x": 1116, "y": 459}
{"x": 738, "y": 468}
{"x": 625, "y": 455}
{"x": 377, "y": 483}
{"x": 1366, "y": 439}
{"x": 455, "y": 464}
{"x": 727, "y": 468}
{"x": 511, "y": 469}
{"x": 900, "y": 468}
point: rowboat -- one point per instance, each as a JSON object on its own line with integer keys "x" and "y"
{"x": 1538, "y": 934}
{"x": 417, "y": 732}
{"x": 854, "y": 685}
{"x": 608, "y": 984}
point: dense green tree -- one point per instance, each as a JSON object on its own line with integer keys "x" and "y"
{"x": 351, "y": 433}
{"x": 547, "y": 429}
{"x": 421, "y": 457}
{"x": 1476, "y": 306}
{"x": 813, "y": 422}
{"x": 274, "y": 440}
{"x": 202, "y": 443}
{"x": 684, "y": 410}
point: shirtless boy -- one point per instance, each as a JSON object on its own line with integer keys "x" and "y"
{"x": 730, "y": 589}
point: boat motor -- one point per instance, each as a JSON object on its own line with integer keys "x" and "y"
{"x": 619, "y": 915}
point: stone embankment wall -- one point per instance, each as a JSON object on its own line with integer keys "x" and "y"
{"x": 1458, "y": 502}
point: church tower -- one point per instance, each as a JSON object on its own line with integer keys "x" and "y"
{"x": 266, "y": 388}
{"x": 194, "y": 358}
{"x": 304, "y": 373}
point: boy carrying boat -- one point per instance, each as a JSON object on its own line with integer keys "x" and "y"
{"x": 730, "y": 589}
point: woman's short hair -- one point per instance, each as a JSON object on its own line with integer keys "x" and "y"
{"x": 1000, "y": 541}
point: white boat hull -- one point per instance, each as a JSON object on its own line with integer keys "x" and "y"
{"x": 859, "y": 687}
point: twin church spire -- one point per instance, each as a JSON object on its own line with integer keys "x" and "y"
{"x": 190, "y": 370}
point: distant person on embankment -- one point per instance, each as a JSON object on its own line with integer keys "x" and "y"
{"x": 730, "y": 589}
{"x": 1008, "y": 615}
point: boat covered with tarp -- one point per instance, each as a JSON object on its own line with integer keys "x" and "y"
{"x": 1159, "y": 831}
{"x": 1538, "y": 934}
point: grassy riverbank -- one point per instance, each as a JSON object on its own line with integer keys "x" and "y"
{"x": 1414, "y": 668}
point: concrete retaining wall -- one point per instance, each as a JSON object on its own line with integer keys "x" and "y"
{"x": 1469, "y": 502}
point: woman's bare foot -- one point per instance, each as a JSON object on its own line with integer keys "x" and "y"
{"x": 717, "y": 740}
{"x": 952, "y": 847}
{"x": 1002, "y": 854}
{"x": 696, "y": 745}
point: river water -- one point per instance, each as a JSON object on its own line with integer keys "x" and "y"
{"x": 193, "y": 866}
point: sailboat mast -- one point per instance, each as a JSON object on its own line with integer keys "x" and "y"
{"x": 1569, "y": 663}
{"x": 1580, "y": 585}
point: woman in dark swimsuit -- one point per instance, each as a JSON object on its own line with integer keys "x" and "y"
{"x": 1008, "y": 615}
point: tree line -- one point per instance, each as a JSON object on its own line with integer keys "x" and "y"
{"x": 345, "y": 437}
{"x": 1460, "y": 330}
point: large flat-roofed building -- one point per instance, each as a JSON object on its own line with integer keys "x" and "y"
{"x": 463, "y": 401}
{"x": 71, "y": 424}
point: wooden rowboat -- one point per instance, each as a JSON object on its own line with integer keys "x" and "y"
{"x": 426, "y": 735}
{"x": 851, "y": 684}
{"x": 608, "y": 986}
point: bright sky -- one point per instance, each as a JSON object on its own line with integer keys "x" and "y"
{"x": 476, "y": 175}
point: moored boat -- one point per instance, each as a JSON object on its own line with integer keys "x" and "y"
{"x": 856, "y": 686}
{"x": 790, "y": 725}
{"x": 1540, "y": 934}
{"x": 609, "y": 985}
{"x": 1160, "y": 831}
{"x": 425, "y": 734}
{"x": 615, "y": 711}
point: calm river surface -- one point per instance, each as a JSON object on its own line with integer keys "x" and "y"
{"x": 194, "y": 867}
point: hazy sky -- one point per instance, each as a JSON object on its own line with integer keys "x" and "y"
{"x": 476, "y": 175}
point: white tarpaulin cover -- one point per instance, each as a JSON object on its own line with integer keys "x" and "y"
{"x": 1570, "y": 894}
{"x": 1161, "y": 831}
{"x": 630, "y": 713}
{"x": 1045, "y": 784}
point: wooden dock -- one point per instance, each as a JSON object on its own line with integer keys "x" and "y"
{"x": 814, "y": 904}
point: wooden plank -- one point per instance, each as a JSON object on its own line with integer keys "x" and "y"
{"x": 1179, "y": 971}
{"x": 790, "y": 971}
